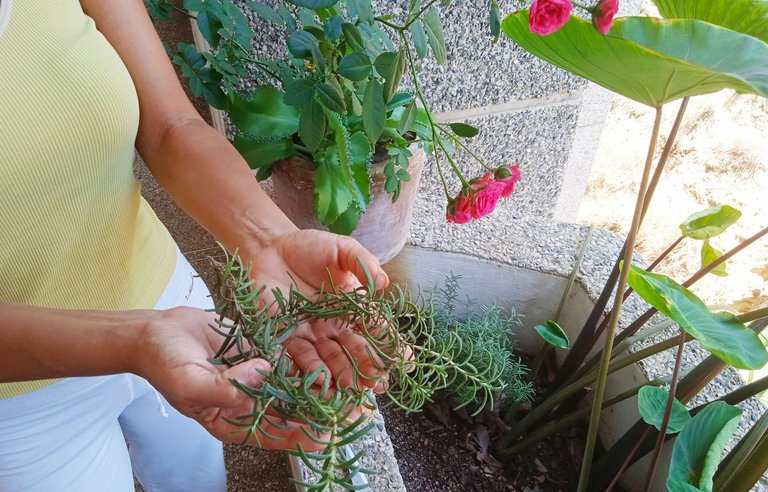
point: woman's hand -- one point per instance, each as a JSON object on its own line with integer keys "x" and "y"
{"x": 307, "y": 260}
{"x": 174, "y": 349}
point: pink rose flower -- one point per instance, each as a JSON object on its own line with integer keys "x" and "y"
{"x": 509, "y": 176}
{"x": 603, "y": 14}
{"x": 460, "y": 208}
{"x": 547, "y": 16}
{"x": 486, "y": 198}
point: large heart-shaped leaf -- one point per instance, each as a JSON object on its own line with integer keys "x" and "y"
{"x": 700, "y": 446}
{"x": 652, "y": 61}
{"x": 265, "y": 115}
{"x": 720, "y": 333}
{"x": 745, "y": 16}
{"x": 652, "y": 403}
{"x": 710, "y": 222}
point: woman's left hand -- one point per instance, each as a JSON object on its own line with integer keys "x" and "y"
{"x": 307, "y": 260}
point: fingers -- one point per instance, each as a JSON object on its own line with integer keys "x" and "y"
{"x": 351, "y": 253}
{"x": 273, "y": 433}
{"x": 305, "y": 356}
{"x": 336, "y": 350}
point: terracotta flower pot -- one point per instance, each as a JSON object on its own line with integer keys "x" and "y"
{"x": 383, "y": 228}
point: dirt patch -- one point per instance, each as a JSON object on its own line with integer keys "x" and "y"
{"x": 441, "y": 450}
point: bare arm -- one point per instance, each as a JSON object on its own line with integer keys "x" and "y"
{"x": 43, "y": 343}
{"x": 203, "y": 173}
{"x": 168, "y": 348}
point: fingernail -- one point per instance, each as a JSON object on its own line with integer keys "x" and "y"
{"x": 382, "y": 280}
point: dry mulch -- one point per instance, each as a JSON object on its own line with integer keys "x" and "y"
{"x": 446, "y": 451}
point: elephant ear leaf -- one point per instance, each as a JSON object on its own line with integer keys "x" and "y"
{"x": 671, "y": 59}
{"x": 744, "y": 16}
{"x": 722, "y": 334}
{"x": 699, "y": 447}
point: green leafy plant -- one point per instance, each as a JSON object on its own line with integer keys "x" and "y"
{"x": 702, "y": 46}
{"x": 337, "y": 100}
{"x": 419, "y": 358}
{"x": 488, "y": 337}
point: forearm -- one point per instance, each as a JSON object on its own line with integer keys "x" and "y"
{"x": 39, "y": 343}
{"x": 209, "y": 179}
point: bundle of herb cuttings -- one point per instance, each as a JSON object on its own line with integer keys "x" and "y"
{"x": 400, "y": 332}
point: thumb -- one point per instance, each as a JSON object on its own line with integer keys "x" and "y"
{"x": 352, "y": 257}
{"x": 251, "y": 373}
{"x": 217, "y": 390}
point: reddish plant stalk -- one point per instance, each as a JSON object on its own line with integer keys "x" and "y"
{"x": 667, "y": 414}
{"x": 590, "y": 332}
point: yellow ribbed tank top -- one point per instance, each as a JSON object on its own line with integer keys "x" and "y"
{"x": 74, "y": 230}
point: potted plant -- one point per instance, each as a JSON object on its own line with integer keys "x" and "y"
{"x": 333, "y": 122}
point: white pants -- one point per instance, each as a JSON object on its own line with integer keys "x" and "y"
{"x": 71, "y": 435}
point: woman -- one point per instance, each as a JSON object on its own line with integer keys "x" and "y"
{"x": 90, "y": 337}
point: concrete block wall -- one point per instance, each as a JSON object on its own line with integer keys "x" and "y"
{"x": 529, "y": 111}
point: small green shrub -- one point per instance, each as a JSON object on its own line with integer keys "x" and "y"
{"x": 487, "y": 346}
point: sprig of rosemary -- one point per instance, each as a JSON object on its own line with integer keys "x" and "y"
{"x": 400, "y": 331}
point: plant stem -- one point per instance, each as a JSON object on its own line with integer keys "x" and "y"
{"x": 616, "y": 458}
{"x": 574, "y": 272}
{"x": 643, "y": 318}
{"x": 418, "y": 14}
{"x": 589, "y": 333}
{"x": 633, "y": 328}
{"x": 387, "y": 23}
{"x": 667, "y": 414}
{"x": 594, "y": 420}
{"x": 542, "y": 411}
{"x": 568, "y": 420}
{"x": 540, "y": 354}
{"x": 628, "y": 461}
{"x": 465, "y": 147}
{"x": 182, "y": 11}
{"x": 432, "y": 125}
{"x": 664, "y": 254}
{"x": 571, "y": 279}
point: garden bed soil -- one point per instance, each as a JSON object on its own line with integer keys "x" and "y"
{"x": 441, "y": 450}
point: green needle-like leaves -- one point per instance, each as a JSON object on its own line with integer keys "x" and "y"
{"x": 389, "y": 321}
